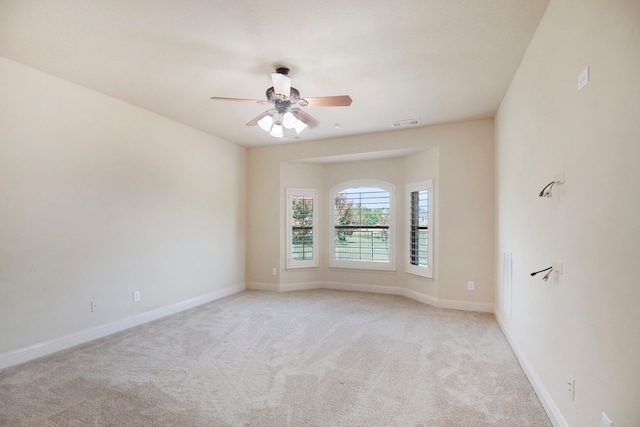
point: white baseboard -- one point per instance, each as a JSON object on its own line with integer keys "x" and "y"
{"x": 417, "y": 296}
{"x": 466, "y": 305}
{"x": 48, "y": 347}
{"x": 553, "y": 412}
{"x": 303, "y": 286}
{"x": 359, "y": 287}
{"x": 376, "y": 289}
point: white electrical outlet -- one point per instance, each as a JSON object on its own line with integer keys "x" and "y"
{"x": 571, "y": 388}
{"x": 559, "y": 178}
{"x": 274, "y": 271}
{"x": 136, "y": 296}
{"x": 471, "y": 286}
{"x": 94, "y": 306}
{"x": 605, "y": 421}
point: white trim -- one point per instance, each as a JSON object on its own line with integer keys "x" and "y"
{"x": 408, "y": 293}
{"x": 61, "y": 343}
{"x": 466, "y": 305}
{"x": 376, "y": 289}
{"x": 303, "y": 286}
{"x": 417, "y": 296}
{"x": 364, "y": 265}
{"x": 290, "y": 262}
{"x": 359, "y": 287}
{"x": 553, "y": 412}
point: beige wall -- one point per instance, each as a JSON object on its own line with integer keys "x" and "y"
{"x": 583, "y": 323}
{"x": 98, "y": 199}
{"x": 460, "y": 159}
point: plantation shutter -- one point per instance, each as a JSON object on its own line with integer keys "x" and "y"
{"x": 419, "y": 227}
{"x": 361, "y": 225}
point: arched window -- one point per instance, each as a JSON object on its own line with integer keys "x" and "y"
{"x": 363, "y": 225}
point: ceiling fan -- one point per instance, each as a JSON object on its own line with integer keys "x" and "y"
{"x": 286, "y": 118}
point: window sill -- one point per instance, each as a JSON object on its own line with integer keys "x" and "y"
{"x": 304, "y": 267}
{"x": 359, "y": 266}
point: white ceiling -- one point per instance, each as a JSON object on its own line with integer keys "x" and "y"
{"x": 435, "y": 60}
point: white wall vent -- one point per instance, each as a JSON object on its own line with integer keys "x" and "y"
{"x": 507, "y": 278}
{"x": 403, "y": 123}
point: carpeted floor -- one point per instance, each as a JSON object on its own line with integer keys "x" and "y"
{"x": 309, "y": 358}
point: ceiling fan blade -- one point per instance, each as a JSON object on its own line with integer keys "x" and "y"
{"x": 256, "y": 101}
{"x": 254, "y": 121}
{"x": 305, "y": 117}
{"x": 281, "y": 84}
{"x": 330, "y": 101}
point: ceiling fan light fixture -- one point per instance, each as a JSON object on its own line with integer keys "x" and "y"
{"x": 277, "y": 131}
{"x": 289, "y": 120}
{"x": 265, "y": 123}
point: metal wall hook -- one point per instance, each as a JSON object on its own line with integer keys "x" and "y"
{"x": 546, "y": 276}
{"x": 557, "y": 267}
{"x": 546, "y": 191}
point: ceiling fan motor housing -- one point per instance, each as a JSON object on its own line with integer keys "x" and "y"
{"x": 281, "y": 102}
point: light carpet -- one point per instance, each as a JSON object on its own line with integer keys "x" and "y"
{"x": 308, "y": 358}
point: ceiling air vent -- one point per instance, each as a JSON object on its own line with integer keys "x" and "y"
{"x": 404, "y": 123}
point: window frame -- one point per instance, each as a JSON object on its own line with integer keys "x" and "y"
{"x": 290, "y": 194}
{"x": 420, "y": 270}
{"x": 360, "y": 264}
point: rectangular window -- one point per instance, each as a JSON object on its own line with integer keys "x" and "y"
{"x": 362, "y": 227}
{"x": 302, "y": 242}
{"x": 419, "y": 228}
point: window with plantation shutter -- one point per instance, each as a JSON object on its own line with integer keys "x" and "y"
{"x": 362, "y": 226}
{"x": 419, "y": 228}
{"x": 302, "y": 239}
